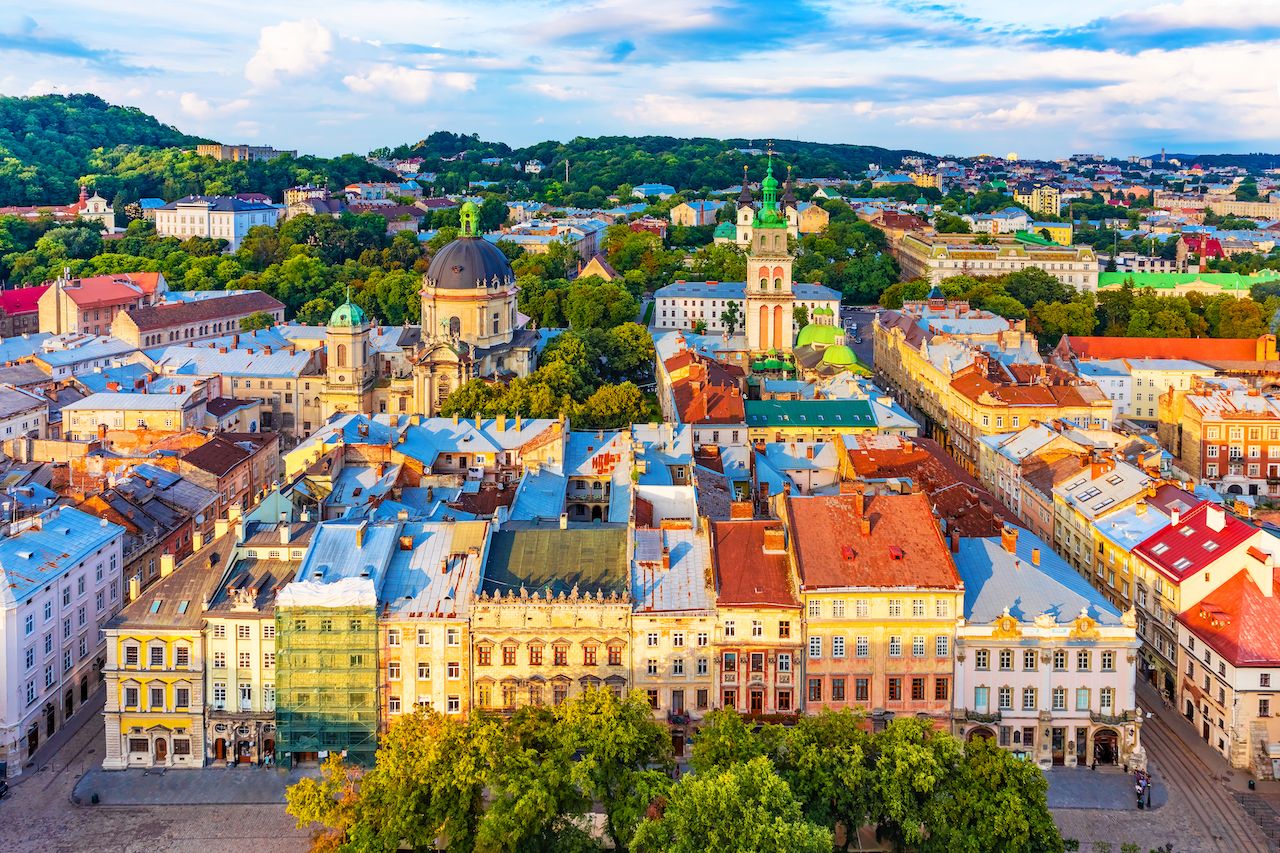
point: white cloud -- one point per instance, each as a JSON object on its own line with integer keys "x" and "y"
{"x": 288, "y": 49}
{"x": 558, "y": 92}
{"x": 410, "y": 85}
{"x": 197, "y": 107}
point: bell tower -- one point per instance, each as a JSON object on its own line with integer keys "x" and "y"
{"x": 352, "y": 369}
{"x": 770, "y": 299}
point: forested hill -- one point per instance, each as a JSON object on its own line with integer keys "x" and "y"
{"x": 46, "y": 142}
{"x": 50, "y": 143}
{"x": 611, "y": 161}
{"x": 1255, "y": 162}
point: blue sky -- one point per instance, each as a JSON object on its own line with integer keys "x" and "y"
{"x": 1044, "y": 79}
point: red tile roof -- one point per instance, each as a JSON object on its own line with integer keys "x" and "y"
{"x": 707, "y": 392}
{"x": 169, "y": 314}
{"x": 22, "y": 300}
{"x": 1239, "y": 621}
{"x": 1238, "y": 349}
{"x": 117, "y": 289}
{"x": 893, "y": 542}
{"x": 1180, "y": 550}
{"x": 745, "y": 574}
{"x": 953, "y": 492}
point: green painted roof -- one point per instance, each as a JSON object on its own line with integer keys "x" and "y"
{"x": 549, "y": 558}
{"x": 726, "y": 229}
{"x": 1170, "y": 280}
{"x": 817, "y": 333}
{"x": 841, "y": 414}
{"x": 840, "y": 356}
{"x": 1033, "y": 239}
{"x": 348, "y": 314}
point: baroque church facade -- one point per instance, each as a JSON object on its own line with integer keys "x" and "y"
{"x": 470, "y": 329}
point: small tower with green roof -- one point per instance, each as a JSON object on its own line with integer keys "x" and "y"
{"x": 770, "y": 300}
{"x": 351, "y": 369}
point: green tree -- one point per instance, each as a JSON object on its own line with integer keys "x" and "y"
{"x": 909, "y": 765}
{"x": 991, "y": 801}
{"x": 743, "y": 808}
{"x": 315, "y": 312}
{"x": 949, "y": 223}
{"x": 723, "y": 740}
{"x": 800, "y": 316}
{"x": 731, "y": 317}
{"x": 256, "y": 320}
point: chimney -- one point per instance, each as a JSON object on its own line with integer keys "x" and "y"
{"x": 1140, "y": 508}
{"x": 741, "y": 509}
{"x": 808, "y": 452}
{"x": 1009, "y": 538}
{"x": 954, "y": 537}
{"x": 1035, "y": 556}
{"x": 102, "y": 432}
{"x": 1215, "y": 518}
{"x": 135, "y": 587}
{"x": 167, "y": 565}
{"x": 864, "y": 524}
{"x": 666, "y": 558}
{"x": 266, "y": 350}
{"x": 775, "y": 540}
{"x": 284, "y": 533}
{"x": 1174, "y": 517}
{"x": 197, "y": 540}
{"x": 564, "y": 520}
{"x": 519, "y": 422}
{"x": 360, "y": 534}
{"x": 859, "y": 500}
{"x": 501, "y": 423}
{"x": 235, "y": 342}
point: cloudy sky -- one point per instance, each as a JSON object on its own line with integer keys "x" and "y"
{"x": 1045, "y": 78}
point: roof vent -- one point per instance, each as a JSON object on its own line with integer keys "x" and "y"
{"x": 895, "y": 553}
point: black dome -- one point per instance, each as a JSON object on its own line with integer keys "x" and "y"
{"x": 466, "y": 261}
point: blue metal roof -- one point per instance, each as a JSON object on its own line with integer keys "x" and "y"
{"x": 38, "y": 555}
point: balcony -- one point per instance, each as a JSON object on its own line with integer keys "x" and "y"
{"x": 980, "y": 717}
{"x": 1113, "y": 719}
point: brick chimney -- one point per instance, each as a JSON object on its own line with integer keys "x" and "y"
{"x": 1009, "y": 538}
{"x": 953, "y": 538}
{"x": 775, "y": 540}
{"x": 741, "y": 509}
{"x": 859, "y": 500}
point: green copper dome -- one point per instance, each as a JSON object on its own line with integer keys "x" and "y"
{"x": 769, "y": 216}
{"x": 348, "y": 314}
{"x": 839, "y": 356}
{"x": 817, "y": 334}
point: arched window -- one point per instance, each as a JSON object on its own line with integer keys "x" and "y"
{"x": 777, "y": 284}
{"x": 764, "y": 282}
{"x": 342, "y": 355}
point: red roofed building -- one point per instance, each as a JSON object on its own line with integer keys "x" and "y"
{"x": 697, "y": 390}
{"x": 758, "y": 639}
{"x": 1202, "y": 245}
{"x": 1206, "y": 350}
{"x": 881, "y": 595}
{"x": 1178, "y": 567}
{"x": 89, "y": 305}
{"x": 20, "y": 310}
{"x": 1229, "y": 660}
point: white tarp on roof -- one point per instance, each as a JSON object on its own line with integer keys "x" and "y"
{"x": 348, "y": 592}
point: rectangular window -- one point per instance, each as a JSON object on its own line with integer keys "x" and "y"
{"x": 981, "y": 699}
{"x": 917, "y": 607}
{"x": 917, "y": 689}
{"x": 757, "y": 628}
{"x": 1083, "y": 660}
{"x": 942, "y": 646}
{"x": 941, "y": 688}
{"x": 1006, "y": 659}
{"x": 861, "y": 608}
{"x": 861, "y": 689}
{"x": 837, "y": 690}
{"x": 424, "y": 671}
{"x": 1029, "y": 660}
{"x": 837, "y": 647}
{"x": 1028, "y": 699}
{"x": 1082, "y": 698}
{"x": 862, "y": 647}
{"x": 917, "y": 647}
{"x": 981, "y": 659}
{"x": 815, "y": 689}
{"x": 182, "y": 657}
{"x": 895, "y": 607}
{"x": 155, "y": 656}
{"x": 393, "y": 637}
{"x": 784, "y": 662}
{"x": 895, "y": 647}
{"x": 837, "y": 609}
{"x": 1005, "y": 697}
{"x": 730, "y": 629}
{"x": 157, "y": 698}
{"x": 815, "y": 647}
{"x": 393, "y": 670}
{"x": 182, "y": 698}
{"x": 895, "y": 689}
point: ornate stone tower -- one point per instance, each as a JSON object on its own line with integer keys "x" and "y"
{"x": 352, "y": 368}
{"x": 770, "y": 300}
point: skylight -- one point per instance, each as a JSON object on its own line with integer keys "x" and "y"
{"x": 1160, "y": 548}
{"x": 155, "y": 606}
{"x": 1182, "y": 563}
{"x": 182, "y": 606}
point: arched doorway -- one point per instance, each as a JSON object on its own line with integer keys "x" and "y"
{"x": 1106, "y": 747}
{"x": 161, "y": 750}
{"x": 596, "y": 513}
{"x": 220, "y": 749}
{"x": 1234, "y": 490}
{"x": 980, "y": 732}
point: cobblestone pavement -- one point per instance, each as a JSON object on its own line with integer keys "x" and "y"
{"x": 1203, "y": 813}
{"x": 39, "y": 817}
{"x": 1110, "y": 790}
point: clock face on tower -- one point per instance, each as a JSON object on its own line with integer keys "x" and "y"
{"x": 341, "y": 378}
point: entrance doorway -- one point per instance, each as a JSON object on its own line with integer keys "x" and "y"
{"x": 33, "y": 739}
{"x": 757, "y": 701}
{"x": 1105, "y": 747}
{"x": 69, "y": 703}
{"x": 1059, "y": 746}
{"x": 244, "y": 752}
{"x": 220, "y": 749}
{"x": 1082, "y": 746}
{"x": 50, "y": 724}
{"x": 981, "y": 732}
{"x": 162, "y": 750}
{"x": 677, "y": 744}
{"x": 1204, "y": 731}
{"x": 84, "y": 689}
{"x": 1191, "y": 711}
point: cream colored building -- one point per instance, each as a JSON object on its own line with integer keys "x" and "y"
{"x": 941, "y": 256}
{"x": 216, "y": 217}
{"x": 1041, "y": 199}
{"x": 153, "y": 413}
{"x": 553, "y": 616}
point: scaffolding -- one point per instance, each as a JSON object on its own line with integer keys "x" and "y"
{"x": 326, "y": 683}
